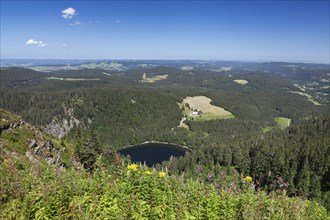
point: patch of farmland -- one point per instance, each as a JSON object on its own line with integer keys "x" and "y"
{"x": 283, "y": 122}
{"x": 241, "y": 81}
{"x": 200, "y": 108}
{"x": 72, "y": 79}
{"x": 153, "y": 79}
{"x": 308, "y": 96}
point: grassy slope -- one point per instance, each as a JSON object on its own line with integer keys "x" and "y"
{"x": 15, "y": 142}
{"x": 209, "y": 112}
{"x": 153, "y": 79}
{"x": 283, "y": 122}
{"x": 127, "y": 194}
{"x": 241, "y": 81}
{"x": 309, "y": 97}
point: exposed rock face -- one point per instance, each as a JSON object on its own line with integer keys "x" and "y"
{"x": 9, "y": 125}
{"x": 37, "y": 148}
{"x": 32, "y": 144}
{"x": 45, "y": 149}
{"x": 4, "y": 125}
{"x": 60, "y": 127}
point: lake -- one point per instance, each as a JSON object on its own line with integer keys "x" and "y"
{"x": 152, "y": 153}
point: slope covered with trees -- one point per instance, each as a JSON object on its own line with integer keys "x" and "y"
{"x": 96, "y": 183}
{"x": 119, "y": 110}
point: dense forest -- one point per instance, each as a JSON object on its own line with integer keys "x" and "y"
{"x": 296, "y": 159}
{"x": 89, "y": 180}
{"x": 118, "y": 110}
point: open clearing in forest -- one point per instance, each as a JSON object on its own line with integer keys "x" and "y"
{"x": 283, "y": 122}
{"x": 200, "y": 108}
{"x": 182, "y": 124}
{"x": 105, "y": 73}
{"x": 153, "y": 79}
{"x": 241, "y": 81}
{"x": 72, "y": 79}
{"x": 308, "y": 96}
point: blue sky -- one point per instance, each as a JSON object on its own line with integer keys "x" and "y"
{"x": 208, "y": 30}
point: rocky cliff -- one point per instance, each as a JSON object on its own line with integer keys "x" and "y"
{"x": 61, "y": 127}
{"x": 20, "y": 140}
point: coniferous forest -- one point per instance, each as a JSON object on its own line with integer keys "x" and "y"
{"x": 246, "y": 167}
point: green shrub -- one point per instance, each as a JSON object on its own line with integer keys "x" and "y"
{"x": 124, "y": 192}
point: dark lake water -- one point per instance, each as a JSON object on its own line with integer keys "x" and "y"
{"x": 152, "y": 153}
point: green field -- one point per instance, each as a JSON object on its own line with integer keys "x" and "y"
{"x": 241, "y": 81}
{"x": 153, "y": 79}
{"x": 72, "y": 79}
{"x": 206, "y": 111}
{"x": 309, "y": 97}
{"x": 282, "y": 122}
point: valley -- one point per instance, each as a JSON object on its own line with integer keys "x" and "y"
{"x": 165, "y": 110}
{"x": 235, "y": 122}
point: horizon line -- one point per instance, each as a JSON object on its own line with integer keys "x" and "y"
{"x": 141, "y": 59}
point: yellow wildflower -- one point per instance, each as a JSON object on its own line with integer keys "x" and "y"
{"x": 147, "y": 172}
{"x": 161, "y": 174}
{"x": 132, "y": 167}
{"x": 307, "y": 202}
{"x": 248, "y": 179}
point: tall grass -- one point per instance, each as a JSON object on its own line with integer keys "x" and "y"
{"x": 125, "y": 192}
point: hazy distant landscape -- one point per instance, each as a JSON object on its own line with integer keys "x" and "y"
{"x": 164, "y": 110}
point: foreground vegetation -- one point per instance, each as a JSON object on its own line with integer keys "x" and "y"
{"x": 137, "y": 192}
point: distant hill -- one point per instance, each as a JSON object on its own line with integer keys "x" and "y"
{"x": 20, "y": 77}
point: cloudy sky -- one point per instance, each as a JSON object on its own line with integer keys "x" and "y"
{"x": 217, "y": 30}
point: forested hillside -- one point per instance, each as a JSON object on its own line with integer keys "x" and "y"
{"x": 296, "y": 159}
{"x": 126, "y": 111}
{"x": 33, "y": 186}
{"x": 93, "y": 118}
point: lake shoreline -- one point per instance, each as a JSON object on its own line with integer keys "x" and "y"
{"x": 156, "y": 142}
{"x": 153, "y": 152}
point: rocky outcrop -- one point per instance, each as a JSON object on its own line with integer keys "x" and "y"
{"x": 45, "y": 149}
{"x": 37, "y": 147}
{"x": 9, "y": 125}
{"x": 60, "y": 127}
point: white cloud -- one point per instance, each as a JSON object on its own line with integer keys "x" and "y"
{"x": 41, "y": 44}
{"x": 64, "y": 45}
{"x": 31, "y": 42}
{"x": 68, "y": 13}
{"x": 75, "y": 23}
{"x": 35, "y": 42}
